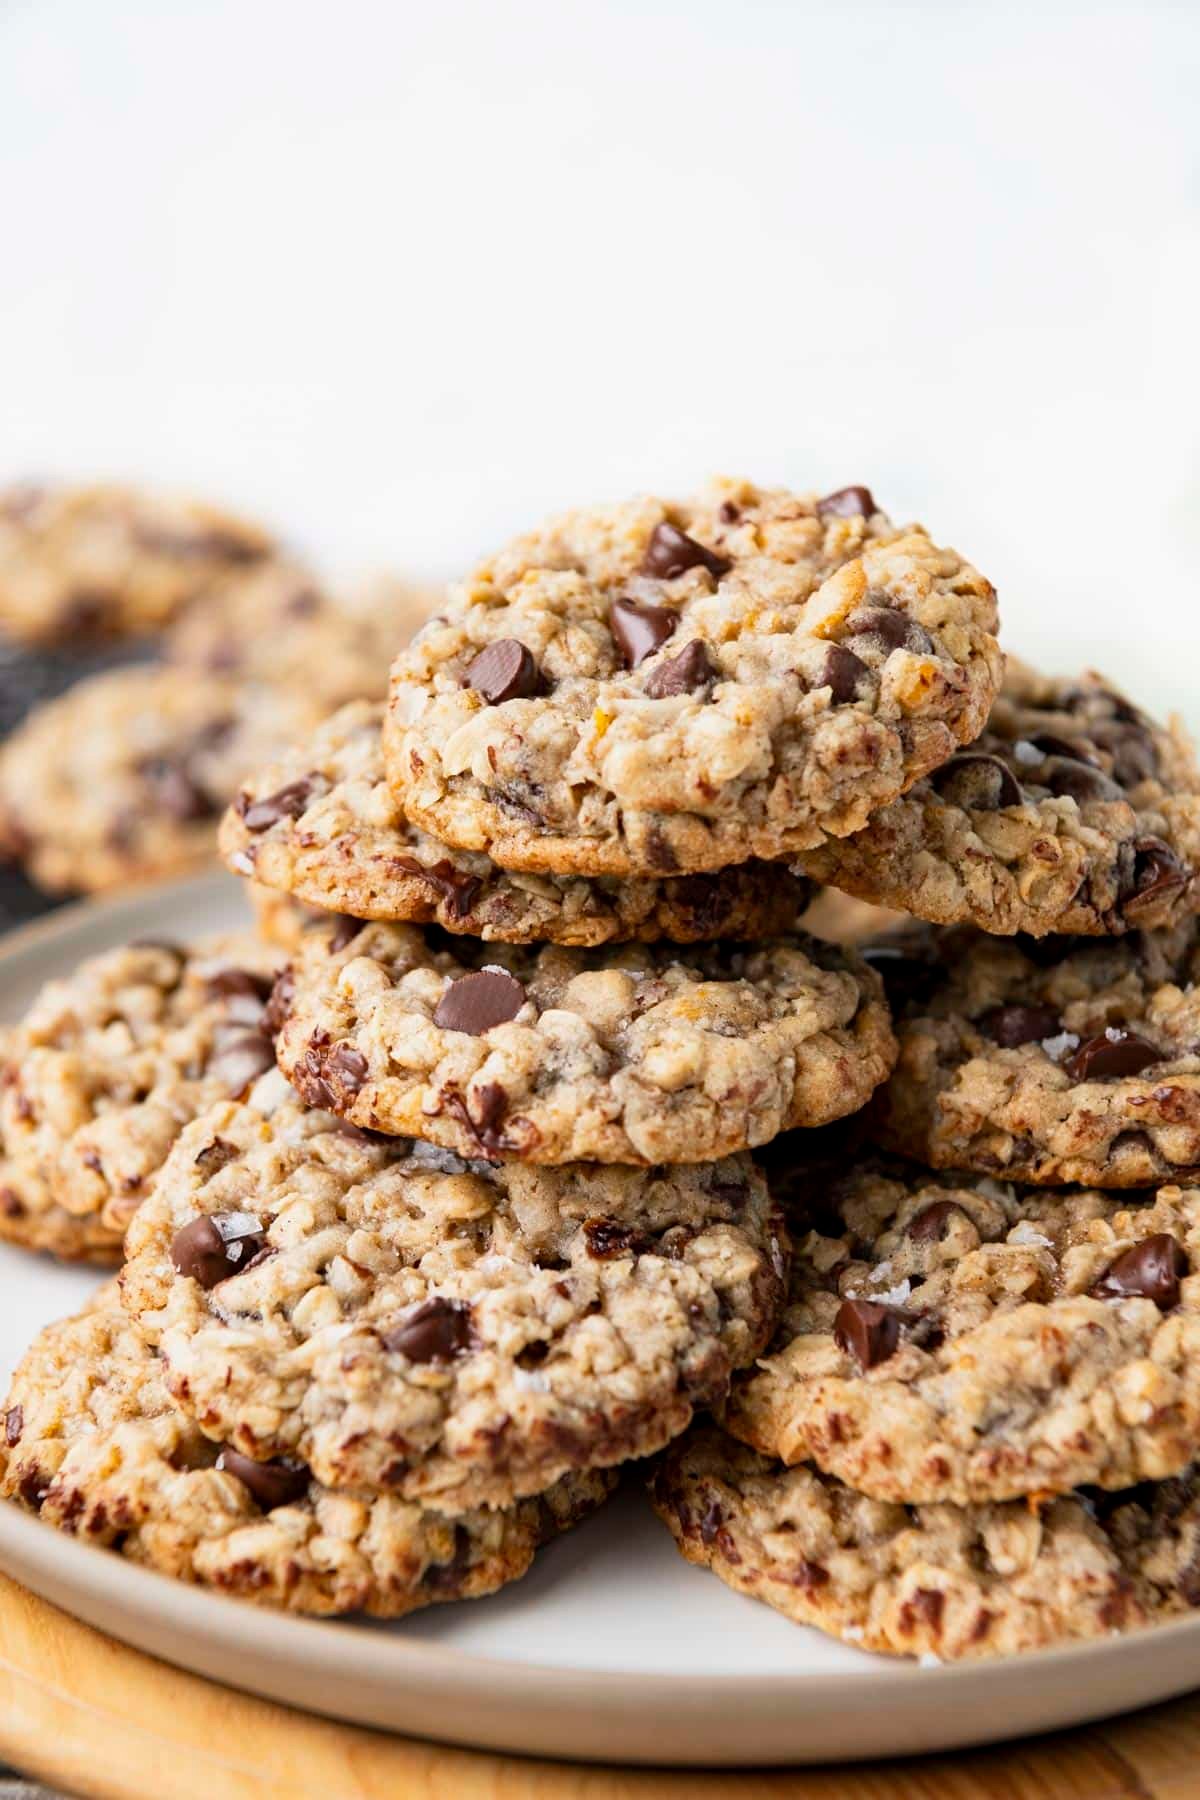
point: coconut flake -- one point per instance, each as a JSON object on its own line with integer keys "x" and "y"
{"x": 1026, "y": 753}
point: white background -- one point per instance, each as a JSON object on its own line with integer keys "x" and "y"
{"x": 404, "y": 277}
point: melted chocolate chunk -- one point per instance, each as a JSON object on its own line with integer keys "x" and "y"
{"x": 607, "y": 1239}
{"x": 344, "y": 932}
{"x": 638, "y": 631}
{"x": 1013, "y": 1025}
{"x": 286, "y": 803}
{"x": 682, "y": 674}
{"x": 908, "y": 979}
{"x": 434, "y": 1331}
{"x": 458, "y": 889}
{"x": 242, "y": 1060}
{"x": 1074, "y": 749}
{"x": 1072, "y": 780}
{"x": 271, "y": 1484}
{"x": 237, "y": 984}
{"x": 211, "y": 1249}
{"x": 176, "y": 790}
{"x": 1149, "y": 1270}
{"x": 842, "y": 673}
{"x": 672, "y": 552}
{"x": 477, "y": 1002}
{"x": 977, "y": 782}
{"x": 14, "y": 1425}
{"x": 847, "y": 503}
{"x": 929, "y": 1225}
{"x": 504, "y": 671}
{"x": 889, "y": 627}
{"x": 866, "y": 1331}
{"x": 1157, "y": 877}
{"x": 1111, "y": 1053}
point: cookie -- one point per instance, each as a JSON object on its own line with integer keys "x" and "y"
{"x": 451, "y": 1332}
{"x": 94, "y": 1446}
{"x": 967, "y": 1341}
{"x": 951, "y": 1582}
{"x": 109, "y": 561}
{"x": 32, "y": 1219}
{"x": 323, "y": 825}
{"x": 280, "y": 920}
{"x": 275, "y": 623}
{"x": 1056, "y": 1060}
{"x": 123, "y": 778}
{"x": 663, "y": 689}
{"x": 630, "y": 1053}
{"x": 1074, "y": 812}
{"x": 105, "y": 1069}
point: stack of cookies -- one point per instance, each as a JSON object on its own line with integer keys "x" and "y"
{"x": 557, "y": 1144}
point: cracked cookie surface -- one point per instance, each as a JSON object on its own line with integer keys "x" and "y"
{"x": 322, "y": 824}
{"x": 104, "y": 1070}
{"x": 95, "y": 1447}
{"x": 123, "y": 778}
{"x": 951, "y": 1582}
{"x": 662, "y": 688}
{"x": 1055, "y": 1060}
{"x": 1074, "y": 812}
{"x": 457, "y": 1333}
{"x": 628, "y": 1053}
{"x": 109, "y": 561}
{"x": 958, "y": 1340}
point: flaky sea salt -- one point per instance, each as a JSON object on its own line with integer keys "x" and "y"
{"x": 1026, "y": 753}
{"x": 1058, "y": 1047}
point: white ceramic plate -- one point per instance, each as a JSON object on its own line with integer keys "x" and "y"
{"x": 611, "y": 1649}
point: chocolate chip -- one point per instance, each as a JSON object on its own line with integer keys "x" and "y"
{"x": 1072, "y": 780}
{"x": 280, "y": 1003}
{"x": 241, "y": 1061}
{"x": 456, "y": 887}
{"x": 206, "y": 1253}
{"x": 475, "y": 1003}
{"x": 607, "y": 1239}
{"x": 682, "y": 674}
{"x": 435, "y": 1330}
{"x": 842, "y": 673}
{"x": 1112, "y": 1052}
{"x": 14, "y": 1425}
{"x": 350, "y": 1066}
{"x": 240, "y": 984}
{"x": 344, "y": 932}
{"x": 977, "y": 783}
{"x": 847, "y": 503}
{"x": 270, "y": 1483}
{"x": 867, "y": 1331}
{"x": 1149, "y": 1270}
{"x": 908, "y": 980}
{"x": 1157, "y": 876}
{"x": 1013, "y": 1025}
{"x": 889, "y": 627}
{"x": 639, "y": 630}
{"x": 504, "y": 671}
{"x": 176, "y": 790}
{"x": 672, "y": 552}
{"x": 489, "y": 1104}
{"x": 216, "y": 1155}
{"x": 929, "y": 1226}
{"x": 728, "y": 513}
{"x": 1074, "y": 751}
{"x": 447, "y": 1577}
{"x": 286, "y": 803}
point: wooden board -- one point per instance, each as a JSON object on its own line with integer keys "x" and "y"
{"x": 104, "y": 1721}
